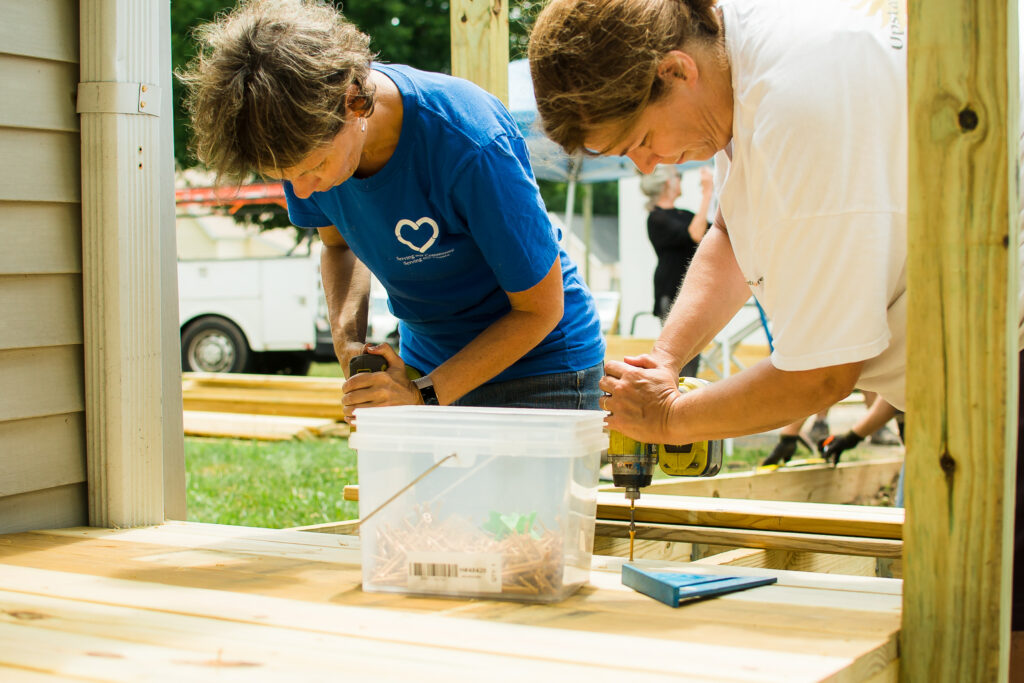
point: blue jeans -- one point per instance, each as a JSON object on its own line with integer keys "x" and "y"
{"x": 573, "y": 390}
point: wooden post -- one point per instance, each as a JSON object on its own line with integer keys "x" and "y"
{"x": 961, "y": 375}
{"x": 480, "y": 44}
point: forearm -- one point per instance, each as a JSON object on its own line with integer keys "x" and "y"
{"x": 346, "y": 284}
{"x": 878, "y": 414}
{"x": 534, "y": 313}
{"x": 505, "y": 341}
{"x": 756, "y": 400}
{"x": 712, "y": 292}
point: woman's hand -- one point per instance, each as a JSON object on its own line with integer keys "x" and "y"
{"x": 391, "y": 387}
{"x": 641, "y": 394}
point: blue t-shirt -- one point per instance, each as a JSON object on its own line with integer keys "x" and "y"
{"x": 450, "y": 223}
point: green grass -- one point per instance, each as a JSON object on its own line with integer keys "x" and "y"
{"x": 325, "y": 370}
{"x": 268, "y": 484}
{"x": 294, "y": 483}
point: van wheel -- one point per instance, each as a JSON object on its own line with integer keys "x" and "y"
{"x": 214, "y": 345}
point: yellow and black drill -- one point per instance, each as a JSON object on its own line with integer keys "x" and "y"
{"x": 633, "y": 461}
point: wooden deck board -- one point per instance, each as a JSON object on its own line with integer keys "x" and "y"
{"x": 164, "y": 595}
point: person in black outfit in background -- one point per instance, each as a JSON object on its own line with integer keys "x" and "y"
{"x": 674, "y": 234}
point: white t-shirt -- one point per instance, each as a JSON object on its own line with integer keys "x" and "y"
{"x": 815, "y": 193}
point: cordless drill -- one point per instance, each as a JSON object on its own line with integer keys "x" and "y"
{"x": 366, "y": 362}
{"x": 633, "y": 461}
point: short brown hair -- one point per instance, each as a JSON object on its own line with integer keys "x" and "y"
{"x": 271, "y": 82}
{"x": 594, "y": 62}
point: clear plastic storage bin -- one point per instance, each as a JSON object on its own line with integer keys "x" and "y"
{"x": 508, "y": 513}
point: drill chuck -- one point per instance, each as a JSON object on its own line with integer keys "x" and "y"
{"x": 633, "y": 470}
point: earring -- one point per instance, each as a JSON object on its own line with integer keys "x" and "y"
{"x": 362, "y": 127}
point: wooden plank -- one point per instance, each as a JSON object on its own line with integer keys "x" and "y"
{"x": 815, "y": 518}
{"x": 40, "y": 237}
{"x": 314, "y": 397}
{"x": 39, "y": 166}
{"x": 260, "y": 427}
{"x": 40, "y": 310}
{"x": 479, "y": 40}
{"x": 184, "y": 645}
{"x": 197, "y": 380}
{"x": 10, "y": 674}
{"x": 821, "y": 584}
{"x": 851, "y": 482}
{"x": 794, "y": 561}
{"x": 294, "y": 545}
{"x": 348, "y": 527}
{"x": 738, "y": 557}
{"x": 961, "y": 338}
{"x": 47, "y": 29}
{"x": 62, "y": 506}
{"x": 49, "y": 381}
{"x": 42, "y": 453}
{"x": 644, "y": 549}
{"x": 38, "y": 93}
{"x": 263, "y": 403}
{"x": 752, "y": 538}
{"x": 566, "y": 634}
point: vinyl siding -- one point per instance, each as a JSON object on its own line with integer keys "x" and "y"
{"x": 42, "y": 432}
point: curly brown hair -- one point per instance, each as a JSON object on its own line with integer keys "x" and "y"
{"x": 594, "y": 62}
{"x": 273, "y": 80}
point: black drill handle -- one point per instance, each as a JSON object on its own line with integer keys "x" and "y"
{"x": 366, "y": 362}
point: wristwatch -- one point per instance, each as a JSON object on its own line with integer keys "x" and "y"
{"x": 427, "y": 393}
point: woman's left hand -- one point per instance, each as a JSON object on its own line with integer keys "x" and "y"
{"x": 391, "y": 387}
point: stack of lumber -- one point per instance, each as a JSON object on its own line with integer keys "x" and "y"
{"x": 817, "y": 527}
{"x": 267, "y": 407}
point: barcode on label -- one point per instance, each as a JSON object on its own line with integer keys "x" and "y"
{"x": 454, "y": 572}
{"x": 433, "y": 569}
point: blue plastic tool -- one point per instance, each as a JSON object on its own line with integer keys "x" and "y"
{"x": 673, "y": 588}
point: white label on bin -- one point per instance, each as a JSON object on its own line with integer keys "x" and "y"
{"x": 455, "y": 572}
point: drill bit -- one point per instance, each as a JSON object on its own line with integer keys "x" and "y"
{"x": 632, "y": 526}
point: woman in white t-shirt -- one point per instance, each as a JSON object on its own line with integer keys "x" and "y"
{"x": 803, "y": 105}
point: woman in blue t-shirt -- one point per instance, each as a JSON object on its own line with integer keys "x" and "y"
{"x": 419, "y": 178}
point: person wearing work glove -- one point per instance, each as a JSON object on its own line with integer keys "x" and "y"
{"x": 832, "y": 447}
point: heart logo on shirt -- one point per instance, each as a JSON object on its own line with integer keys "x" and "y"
{"x": 418, "y": 236}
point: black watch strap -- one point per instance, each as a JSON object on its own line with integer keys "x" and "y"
{"x": 427, "y": 393}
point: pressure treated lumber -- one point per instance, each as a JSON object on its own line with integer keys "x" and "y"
{"x": 312, "y": 397}
{"x": 260, "y": 427}
{"x": 961, "y": 342}
{"x": 755, "y": 538}
{"x": 327, "y": 385}
{"x": 794, "y": 561}
{"x": 815, "y": 518}
{"x": 479, "y": 40}
{"x": 250, "y": 603}
{"x": 853, "y": 482}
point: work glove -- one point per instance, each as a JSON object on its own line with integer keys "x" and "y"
{"x": 832, "y": 447}
{"x": 782, "y": 452}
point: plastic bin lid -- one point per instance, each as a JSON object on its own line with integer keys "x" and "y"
{"x": 511, "y": 431}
